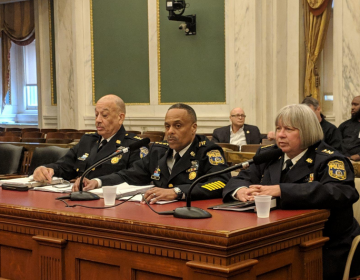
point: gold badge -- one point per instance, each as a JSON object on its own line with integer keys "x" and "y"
{"x": 118, "y": 142}
{"x": 309, "y": 160}
{"x": 337, "y": 169}
{"x": 192, "y": 153}
{"x": 215, "y": 157}
{"x": 192, "y": 175}
{"x": 115, "y": 160}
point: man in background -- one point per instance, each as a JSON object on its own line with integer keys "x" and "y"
{"x": 238, "y": 133}
{"x": 109, "y": 117}
{"x": 350, "y": 132}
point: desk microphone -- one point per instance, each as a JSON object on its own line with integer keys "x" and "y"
{"x": 83, "y": 195}
{"x": 189, "y": 212}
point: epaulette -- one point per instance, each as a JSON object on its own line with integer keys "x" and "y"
{"x": 162, "y": 143}
{"x": 326, "y": 151}
{"x": 267, "y": 146}
{"x": 128, "y": 136}
{"x": 202, "y": 143}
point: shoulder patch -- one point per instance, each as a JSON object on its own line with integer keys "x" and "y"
{"x": 215, "y": 157}
{"x": 267, "y": 146}
{"x": 143, "y": 152}
{"x": 337, "y": 169}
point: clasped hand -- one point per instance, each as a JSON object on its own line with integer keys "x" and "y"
{"x": 245, "y": 194}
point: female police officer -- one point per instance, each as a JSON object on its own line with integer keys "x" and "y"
{"x": 309, "y": 175}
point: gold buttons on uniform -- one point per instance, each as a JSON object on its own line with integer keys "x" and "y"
{"x": 171, "y": 185}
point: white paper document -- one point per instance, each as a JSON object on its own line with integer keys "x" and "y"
{"x": 29, "y": 182}
{"x": 125, "y": 189}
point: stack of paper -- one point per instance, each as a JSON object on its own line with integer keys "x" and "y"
{"x": 125, "y": 189}
{"x": 29, "y": 182}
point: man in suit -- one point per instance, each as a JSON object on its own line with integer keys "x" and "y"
{"x": 172, "y": 166}
{"x": 109, "y": 116}
{"x": 238, "y": 132}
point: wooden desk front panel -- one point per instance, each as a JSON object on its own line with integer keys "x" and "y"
{"x": 41, "y": 239}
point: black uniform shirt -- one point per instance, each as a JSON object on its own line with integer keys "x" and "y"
{"x": 332, "y": 135}
{"x": 350, "y": 130}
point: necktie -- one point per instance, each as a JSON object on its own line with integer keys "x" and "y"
{"x": 102, "y": 144}
{"x": 177, "y": 158}
{"x": 286, "y": 170}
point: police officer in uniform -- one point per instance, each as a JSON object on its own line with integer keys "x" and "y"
{"x": 309, "y": 175}
{"x": 110, "y": 114}
{"x": 173, "y": 165}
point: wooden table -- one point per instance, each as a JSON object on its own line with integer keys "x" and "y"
{"x": 42, "y": 239}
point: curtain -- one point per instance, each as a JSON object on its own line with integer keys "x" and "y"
{"x": 16, "y": 25}
{"x": 316, "y": 19}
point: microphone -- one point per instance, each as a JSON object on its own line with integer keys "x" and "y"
{"x": 83, "y": 195}
{"x": 189, "y": 212}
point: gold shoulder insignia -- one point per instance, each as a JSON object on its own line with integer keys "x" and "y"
{"x": 90, "y": 132}
{"x": 202, "y": 143}
{"x": 309, "y": 160}
{"x": 192, "y": 153}
{"x": 215, "y": 157}
{"x": 337, "y": 169}
{"x": 137, "y": 137}
{"x": 267, "y": 146}
{"x": 327, "y": 152}
{"x": 118, "y": 142}
{"x": 126, "y": 134}
{"x": 162, "y": 143}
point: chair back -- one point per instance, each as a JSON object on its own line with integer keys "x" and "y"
{"x": 12, "y": 133}
{"x": 268, "y": 142}
{"x": 33, "y": 140}
{"x": 74, "y": 135}
{"x": 250, "y": 148}
{"x": 10, "y": 139}
{"x": 356, "y": 205}
{"x": 32, "y": 134}
{"x": 12, "y": 129}
{"x": 162, "y": 133}
{"x": 59, "y": 141}
{"x": 28, "y": 129}
{"x": 47, "y": 130}
{"x": 10, "y": 158}
{"x": 67, "y": 130}
{"x": 152, "y": 137}
{"x": 229, "y": 146}
{"x": 46, "y": 155}
{"x": 56, "y": 135}
{"x": 87, "y": 130}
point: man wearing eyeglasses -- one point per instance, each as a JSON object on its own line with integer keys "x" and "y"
{"x": 238, "y": 132}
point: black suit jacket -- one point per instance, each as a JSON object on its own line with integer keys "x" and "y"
{"x": 85, "y": 153}
{"x": 322, "y": 179}
{"x": 202, "y": 157}
{"x": 252, "y": 134}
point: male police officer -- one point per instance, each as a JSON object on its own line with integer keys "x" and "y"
{"x": 173, "y": 165}
{"x": 110, "y": 114}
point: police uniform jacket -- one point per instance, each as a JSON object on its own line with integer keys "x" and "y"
{"x": 322, "y": 179}
{"x": 85, "y": 153}
{"x": 202, "y": 157}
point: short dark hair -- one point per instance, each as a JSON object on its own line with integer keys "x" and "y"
{"x": 188, "y": 109}
{"x": 311, "y": 101}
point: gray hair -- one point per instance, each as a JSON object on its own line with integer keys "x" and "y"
{"x": 311, "y": 101}
{"x": 301, "y": 117}
{"x": 188, "y": 109}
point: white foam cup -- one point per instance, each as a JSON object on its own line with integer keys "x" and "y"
{"x": 262, "y": 203}
{"x": 109, "y": 194}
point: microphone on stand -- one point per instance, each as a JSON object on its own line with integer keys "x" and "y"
{"x": 83, "y": 195}
{"x": 189, "y": 212}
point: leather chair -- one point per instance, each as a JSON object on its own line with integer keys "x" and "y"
{"x": 30, "y": 129}
{"x": 251, "y": 148}
{"x": 134, "y": 131}
{"x": 67, "y": 130}
{"x": 59, "y": 141}
{"x": 11, "y": 158}
{"x": 74, "y": 135}
{"x": 12, "y": 133}
{"x": 33, "y": 140}
{"x": 152, "y": 137}
{"x": 46, "y": 155}
{"x": 229, "y": 146}
{"x": 12, "y": 129}
{"x": 32, "y": 134}
{"x": 56, "y": 135}
{"x": 10, "y": 139}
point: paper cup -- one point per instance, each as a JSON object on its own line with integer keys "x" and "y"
{"x": 109, "y": 194}
{"x": 262, "y": 203}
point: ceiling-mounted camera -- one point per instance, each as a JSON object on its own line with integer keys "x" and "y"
{"x": 176, "y": 9}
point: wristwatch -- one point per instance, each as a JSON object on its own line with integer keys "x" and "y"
{"x": 179, "y": 193}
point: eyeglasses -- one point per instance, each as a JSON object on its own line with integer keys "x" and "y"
{"x": 238, "y": 116}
